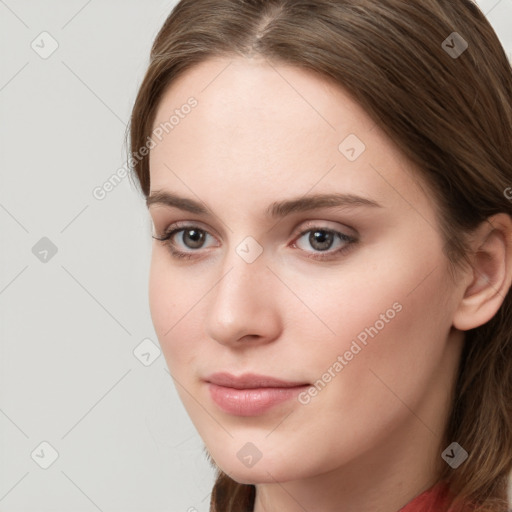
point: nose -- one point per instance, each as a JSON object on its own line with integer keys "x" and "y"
{"x": 243, "y": 308}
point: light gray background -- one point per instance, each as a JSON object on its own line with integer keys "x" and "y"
{"x": 69, "y": 325}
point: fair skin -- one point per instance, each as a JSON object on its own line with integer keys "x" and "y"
{"x": 371, "y": 439}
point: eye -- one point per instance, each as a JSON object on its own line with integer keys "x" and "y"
{"x": 322, "y": 240}
{"x": 184, "y": 241}
{"x": 191, "y": 237}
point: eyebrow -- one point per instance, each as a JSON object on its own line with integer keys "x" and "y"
{"x": 275, "y": 210}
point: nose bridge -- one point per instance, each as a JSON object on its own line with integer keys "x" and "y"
{"x": 241, "y": 304}
{"x": 244, "y": 268}
{"x": 243, "y": 277}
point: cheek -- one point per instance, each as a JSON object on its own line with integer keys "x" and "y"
{"x": 365, "y": 301}
{"x": 392, "y": 324}
{"x": 392, "y": 344}
{"x": 162, "y": 299}
{"x": 170, "y": 298}
{"x": 176, "y": 300}
{"x": 362, "y": 399}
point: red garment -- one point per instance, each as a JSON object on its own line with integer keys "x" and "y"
{"x": 435, "y": 499}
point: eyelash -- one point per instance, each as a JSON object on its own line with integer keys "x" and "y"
{"x": 349, "y": 240}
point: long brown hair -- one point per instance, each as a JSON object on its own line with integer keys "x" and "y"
{"x": 450, "y": 114}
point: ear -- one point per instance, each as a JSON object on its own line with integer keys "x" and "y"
{"x": 490, "y": 276}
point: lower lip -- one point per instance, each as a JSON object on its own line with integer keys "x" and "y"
{"x": 251, "y": 402}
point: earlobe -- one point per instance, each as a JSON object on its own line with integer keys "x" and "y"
{"x": 490, "y": 276}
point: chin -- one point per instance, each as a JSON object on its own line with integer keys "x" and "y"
{"x": 264, "y": 471}
{"x": 254, "y": 476}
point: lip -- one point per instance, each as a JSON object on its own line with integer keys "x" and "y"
{"x": 250, "y": 394}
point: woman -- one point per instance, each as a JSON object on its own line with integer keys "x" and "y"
{"x": 331, "y": 271}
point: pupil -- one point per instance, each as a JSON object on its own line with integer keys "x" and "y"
{"x": 321, "y": 240}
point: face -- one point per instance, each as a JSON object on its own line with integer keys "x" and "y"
{"x": 302, "y": 296}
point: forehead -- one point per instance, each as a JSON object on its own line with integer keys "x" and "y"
{"x": 243, "y": 95}
{"x": 259, "y": 128}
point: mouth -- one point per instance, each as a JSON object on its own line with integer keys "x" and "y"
{"x": 251, "y": 394}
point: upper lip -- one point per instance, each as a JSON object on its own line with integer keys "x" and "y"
{"x": 250, "y": 381}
